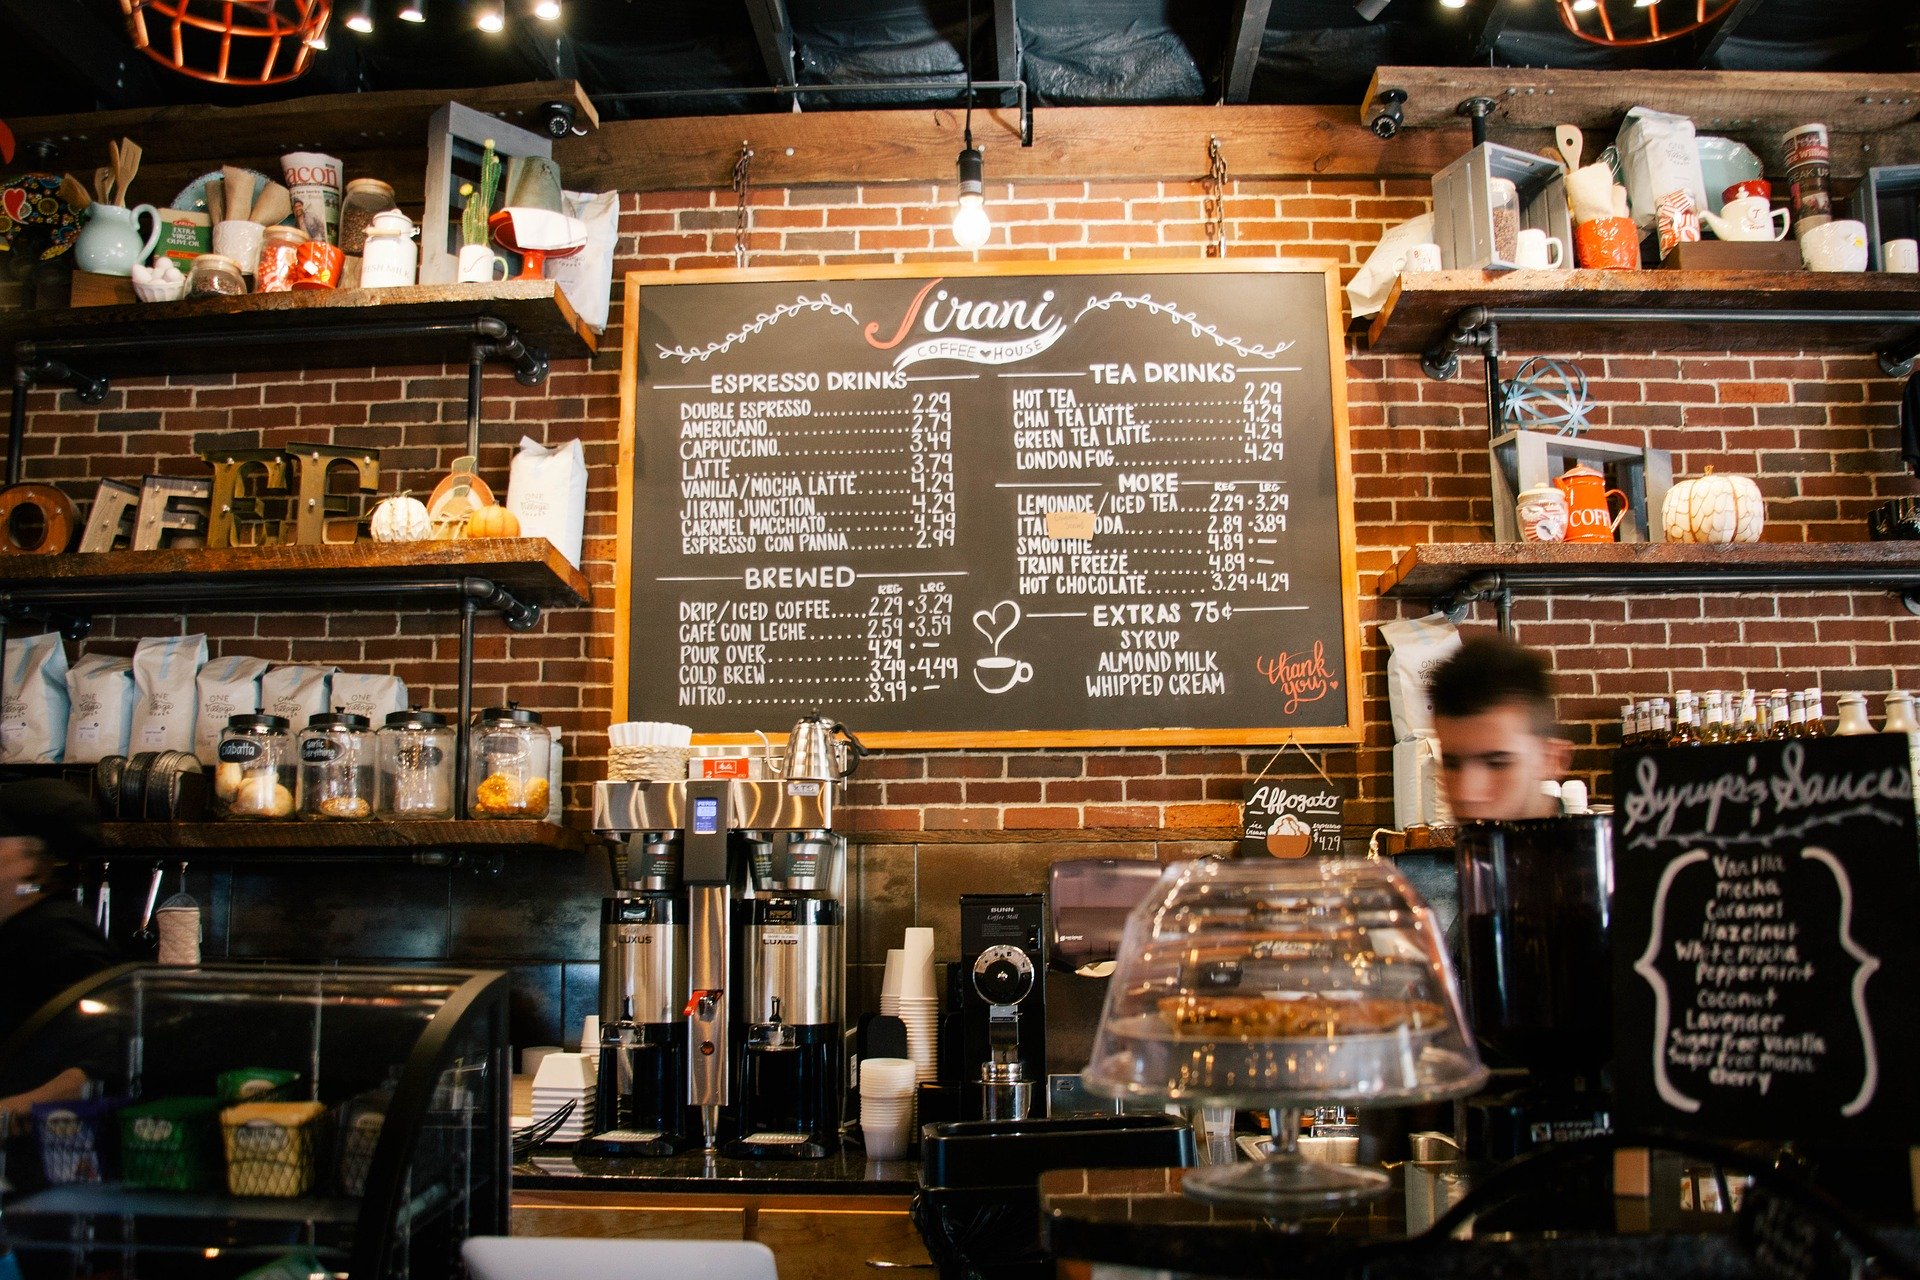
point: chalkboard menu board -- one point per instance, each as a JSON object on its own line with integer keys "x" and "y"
{"x": 969, "y": 507}
{"x": 1765, "y": 940}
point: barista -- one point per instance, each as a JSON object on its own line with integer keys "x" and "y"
{"x": 47, "y": 942}
{"x": 1499, "y": 738}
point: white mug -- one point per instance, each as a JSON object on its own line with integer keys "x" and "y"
{"x": 1753, "y": 218}
{"x": 1839, "y": 245}
{"x": 1422, "y": 257}
{"x": 1902, "y": 257}
{"x": 479, "y": 264}
{"x": 1536, "y": 250}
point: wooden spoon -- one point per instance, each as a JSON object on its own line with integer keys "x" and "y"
{"x": 74, "y": 192}
{"x": 1570, "y": 141}
{"x": 119, "y": 185}
{"x": 103, "y": 184}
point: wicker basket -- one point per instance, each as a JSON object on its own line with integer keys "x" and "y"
{"x": 272, "y": 1147}
{"x": 647, "y": 764}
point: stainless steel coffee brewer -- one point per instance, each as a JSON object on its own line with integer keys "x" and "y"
{"x": 640, "y": 1104}
{"x": 761, "y": 1009}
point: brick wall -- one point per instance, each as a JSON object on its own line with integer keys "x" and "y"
{"x": 1818, "y": 431}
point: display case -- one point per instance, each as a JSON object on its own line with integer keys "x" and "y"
{"x": 353, "y": 1119}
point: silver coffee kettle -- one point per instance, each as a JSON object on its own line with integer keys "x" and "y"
{"x": 816, "y": 748}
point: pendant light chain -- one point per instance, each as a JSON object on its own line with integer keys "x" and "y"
{"x": 1215, "y": 206}
{"x": 742, "y": 177}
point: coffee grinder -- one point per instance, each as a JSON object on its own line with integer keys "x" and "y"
{"x": 1539, "y": 985}
{"x": 792, "y": 962}
{"x": 639, "y": 1103}
{"x": 1003, "y": 1004}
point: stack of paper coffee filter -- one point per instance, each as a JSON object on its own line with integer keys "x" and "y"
{"x": 908, "y": 992}
{"x": 886, "y": 1106}
{"x": 647, "y": 749}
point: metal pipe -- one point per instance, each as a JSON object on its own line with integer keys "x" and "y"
{"x": 17, "y": 422}
{"x": 1891, "y": 579}
{"x": 468, "y": 606}
{"x": 253, "y": 589}
{"x": 1496, "y": 394}
{"x": 476, "y": 374}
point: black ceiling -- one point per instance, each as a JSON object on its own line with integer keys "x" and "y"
{"x": 639, "y": 57}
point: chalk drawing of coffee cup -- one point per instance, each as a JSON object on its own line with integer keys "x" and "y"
{"x": 1000, "y": 675}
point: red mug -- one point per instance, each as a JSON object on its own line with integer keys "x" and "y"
{"x": 1750, "y": 187}
{"x": 1590, "y": 516}
{"x": 1612, "y": 243}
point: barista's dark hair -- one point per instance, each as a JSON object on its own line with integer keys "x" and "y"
{"x": 1490, "y": 671}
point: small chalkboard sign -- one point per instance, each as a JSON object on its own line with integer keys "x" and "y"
{"x": 1764, "y": 940}
{"x": 1291, "y": 818}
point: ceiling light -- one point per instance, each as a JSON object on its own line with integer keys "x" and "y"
{"x": 1585, "y": 6}
{"x": 362, "y": 18}
{"x": 547, "y": 10}
{"x": 1453, "y": 4}
{"x": 971, "y": 225}
{"x": 413, "y": 11}
{"x": 1645, "y": 4}
{"x": 490, "y": 16}
{"x": 1370, "y": 9}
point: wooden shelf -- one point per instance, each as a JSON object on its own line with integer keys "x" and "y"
{"x": 247, "y": 578}
{"x": 1458, "y": 572}
{"x": 341, "y": 329}
{"x": 478, "y": 836}
{"x": 1734, "y": 309}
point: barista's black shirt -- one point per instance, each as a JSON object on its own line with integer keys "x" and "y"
{"x": 43, "y": 951}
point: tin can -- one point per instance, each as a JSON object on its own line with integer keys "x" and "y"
{"x": 279, "y": 248}
{"x": 1809, "y": 169}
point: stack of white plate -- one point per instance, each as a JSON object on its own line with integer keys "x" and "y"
{"x": 564, "y": 1078}
{"x": 907, "y": 992}
{"x": 886, "y": 1106}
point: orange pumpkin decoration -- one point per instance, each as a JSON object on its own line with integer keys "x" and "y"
{"x": 492, "y": 522}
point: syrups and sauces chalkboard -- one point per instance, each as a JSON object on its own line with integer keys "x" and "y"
{"x": 969, "y": 507}
{"x": 1765, "y": 940}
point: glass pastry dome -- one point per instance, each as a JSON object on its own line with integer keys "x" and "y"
{"x": 1274, "y": 985}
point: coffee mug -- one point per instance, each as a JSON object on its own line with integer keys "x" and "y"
{"x": 1422, "y": 257}
{"x": 1537, "y": 251}
{"x": 239, "y": 239}
{"x": 478, "y": 265}
{"x": 1838, "y": 245}
{"x": 1611, "y": 243}
{"x": 995, "y": 670}
{"x": 1541, "y": 513}
{"x": 1902, "y": 257}
{"x": 1744, "y": 190}
{"x": 1751, "y": 218}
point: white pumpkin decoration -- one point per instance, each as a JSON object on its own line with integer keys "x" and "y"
{"x": 400, "y": 519}
{"x": 1711, "y": 508}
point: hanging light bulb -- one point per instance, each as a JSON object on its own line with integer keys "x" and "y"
{"x": 1645, "y": 4}
{"x": 1453, "y": 4}
{"x": 361, "y": 19}
{"x": 413, "y": 10}
{"x": 490, "y": 16}
{"x": 547, "y": 10}
{"x": 317, "y": 38}
{"x": 1585, "y": 6}
{"x": 971, "y": 225}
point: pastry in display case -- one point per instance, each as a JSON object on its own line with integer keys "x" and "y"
{"x": 248, "y": 1115}
{"x": 1273, "y": 986}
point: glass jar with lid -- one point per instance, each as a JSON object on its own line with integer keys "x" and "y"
{"x": 363, "y": 198}
{"x": 509, "y": 754}
{"x": 215, "y": 276}
{"x": 254, "y": 776}
{"x": 337, "y": 767}
{"x": 1504, "y": 200}
{"x": 416, "y": 750}
{"x": 279, "y": 254}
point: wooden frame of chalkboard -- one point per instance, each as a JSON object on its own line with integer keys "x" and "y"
{"x": 1013, "y": 495}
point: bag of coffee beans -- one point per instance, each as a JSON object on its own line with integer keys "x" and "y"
{"x": 33, "y": 708}
{"x": 100, "y": 690}
{"x": 228, "y": 687}
{"x": 296, "y": 694}
{"x": 164, "y": 697}
{"x": 372, "y": 696}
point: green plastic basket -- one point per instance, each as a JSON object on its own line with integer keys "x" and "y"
{"x": 171, "y": 1144}
{"x": 256, "y": 1084}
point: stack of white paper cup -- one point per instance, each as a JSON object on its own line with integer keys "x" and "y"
{"x": 907, "y": 992}
{"x": 886, "y": 1106}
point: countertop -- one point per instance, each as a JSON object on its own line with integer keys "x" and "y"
{"x": 846, "y": 1173}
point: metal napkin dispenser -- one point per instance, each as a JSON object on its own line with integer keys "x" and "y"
{"x": 1088, "y": 901}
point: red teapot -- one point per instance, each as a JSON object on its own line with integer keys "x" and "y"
{"x": 1590, "y": 516}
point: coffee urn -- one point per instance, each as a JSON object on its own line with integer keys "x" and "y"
{"x": 640, "y": 1107}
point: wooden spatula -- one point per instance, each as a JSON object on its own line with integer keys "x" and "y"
{"x": 129, "y": 165}
{"x": 74, "y": 192}
{"x": 103, "y": 184}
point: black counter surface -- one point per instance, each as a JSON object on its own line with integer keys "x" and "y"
{"x": 846, "y": 1173}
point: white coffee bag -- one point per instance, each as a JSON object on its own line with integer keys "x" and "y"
{"x": 547, "y": 490}
{"x": 33, "y": 707}
{"x": 228, "y": 687}
{"x": 1418, "y": 646}
{"x": 165, "y": 697}
{"x": 296, "y": 694}
{"x": 100, "y": 691}
{"x": 365, "y": 694}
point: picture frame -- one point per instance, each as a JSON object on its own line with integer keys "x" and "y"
{"x": 456, "y": 139}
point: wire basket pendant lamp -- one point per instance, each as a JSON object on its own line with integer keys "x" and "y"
{"x": 1626, "y": 23}
{"x": 240, "y": 42}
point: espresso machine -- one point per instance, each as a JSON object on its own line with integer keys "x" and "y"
{"x": 1003, "y": 1003}
{"x": 1536, "y": 966}
{"x": 758, "y": 1003}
